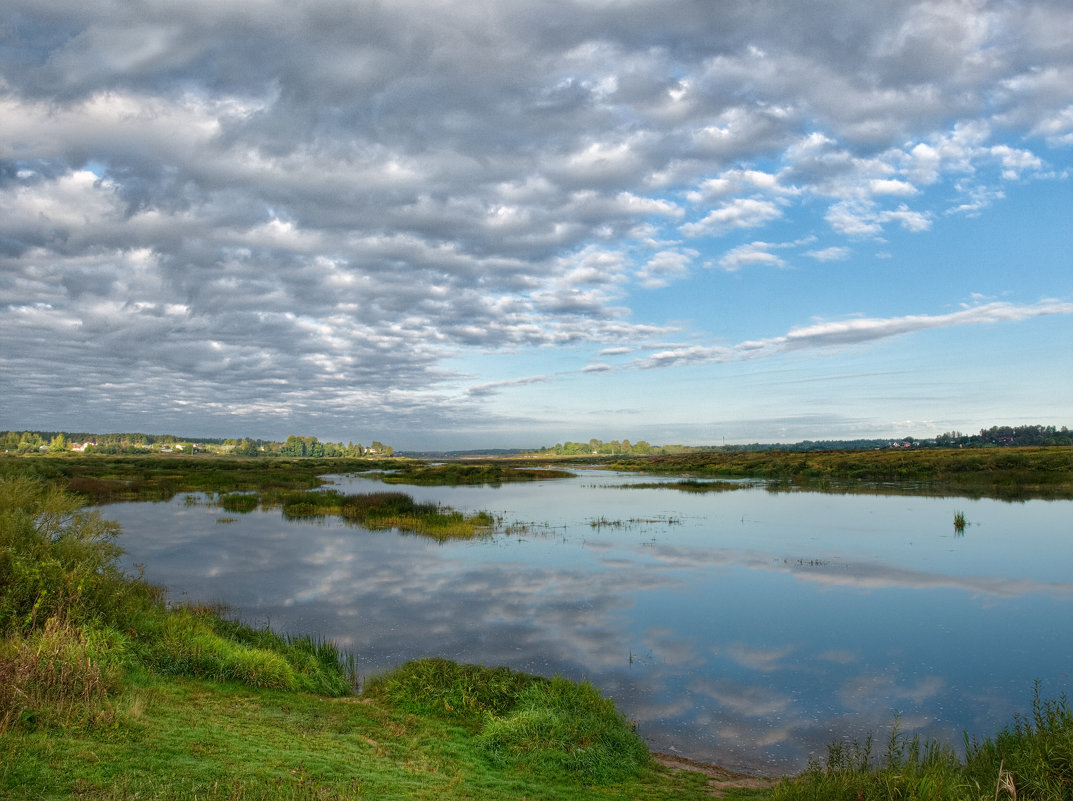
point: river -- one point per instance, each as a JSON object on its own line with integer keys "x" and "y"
{"x": 749, "y": 628}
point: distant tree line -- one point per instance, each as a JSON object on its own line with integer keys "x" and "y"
{"x": 597, "y": 447}
{"x": 994, "y": 437}
{"x": 1007, "y": 436}
{"x": 23, "y": 442}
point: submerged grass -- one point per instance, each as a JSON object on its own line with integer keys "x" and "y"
{"x": 959, "y": 522}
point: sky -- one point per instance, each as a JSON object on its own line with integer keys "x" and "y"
{"x": 475, "y": 224}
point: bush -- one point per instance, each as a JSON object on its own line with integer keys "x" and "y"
{"x": 58, "y": 560}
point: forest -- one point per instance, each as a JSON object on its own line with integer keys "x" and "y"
{"x": 24, "y": 442}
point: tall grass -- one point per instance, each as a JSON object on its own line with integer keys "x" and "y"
{"x": 71, "y": 621}
{"x": 1033, "y": 759}
{"x": 60, "y": 675}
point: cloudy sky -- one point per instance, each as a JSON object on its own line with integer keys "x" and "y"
{"x": 474, "y": 224}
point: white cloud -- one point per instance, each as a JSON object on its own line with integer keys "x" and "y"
{"x": 739, "y": 213}
{"x": 323, "y": 206}
{"x": 853, "y": 331}
{"x": 833, "y": 253}
{"x": 666, "y": 266}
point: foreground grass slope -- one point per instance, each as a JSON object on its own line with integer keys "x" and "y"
{"x": 107, "y": 694}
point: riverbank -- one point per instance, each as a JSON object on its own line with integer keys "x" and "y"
{"x": 117, "y": 697}
{"x": 106, "y": 692}
{"x": 1002, "y": 473}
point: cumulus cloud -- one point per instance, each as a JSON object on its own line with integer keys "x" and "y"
{"x": 302, "y": 210}
{"x": 739, "y": 213}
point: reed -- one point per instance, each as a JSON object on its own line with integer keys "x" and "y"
{"x": 1033, "y": 759}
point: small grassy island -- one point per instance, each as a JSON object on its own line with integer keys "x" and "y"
{"x": 106, "y": 692}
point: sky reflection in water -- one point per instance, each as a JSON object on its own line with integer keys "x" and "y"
{"x": 746, "y": 628}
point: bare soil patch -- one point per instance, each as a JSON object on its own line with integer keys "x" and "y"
{"x": 719, "y": 779}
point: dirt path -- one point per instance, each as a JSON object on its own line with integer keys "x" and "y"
{"x": 719, "y": 779}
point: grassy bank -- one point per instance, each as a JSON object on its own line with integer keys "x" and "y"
{"x": 1011, "y": 473}
{"x": 106, "y": 693}
{"x": 108, "y": 479}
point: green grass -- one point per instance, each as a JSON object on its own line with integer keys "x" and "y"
{"x": 1004, "y": 473}
{"x": 107, "y": 694}
{"x": 492, "y": 473}
{"x": 379, "y": 511}
{"x": 1030, "y": 760}
{"x": 185, "y": 739}
{"x": 959, "y": 522}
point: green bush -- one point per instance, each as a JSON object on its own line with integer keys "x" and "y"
{"x": 59, "y": 560}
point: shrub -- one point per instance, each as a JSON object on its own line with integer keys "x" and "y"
{"x": 58, "y": 560}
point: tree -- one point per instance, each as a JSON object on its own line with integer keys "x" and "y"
{"x": 58, "y": 444}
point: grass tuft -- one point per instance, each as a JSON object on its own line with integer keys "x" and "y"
{"x": 545, "y": 726}
{"x": 562, "y": 726}
{"x": 58, "y": 676}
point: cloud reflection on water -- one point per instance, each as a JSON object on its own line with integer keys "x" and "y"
{"x": 716, "y": 642}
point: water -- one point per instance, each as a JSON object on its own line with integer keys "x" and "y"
{"x": 745, "y": 628}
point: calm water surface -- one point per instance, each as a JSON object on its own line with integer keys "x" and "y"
{"x": 747, "y": 628}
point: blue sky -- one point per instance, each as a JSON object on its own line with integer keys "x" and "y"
{"x": 451, "y": 225}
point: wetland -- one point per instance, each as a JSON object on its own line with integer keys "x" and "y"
{"x": 747, "y": 624}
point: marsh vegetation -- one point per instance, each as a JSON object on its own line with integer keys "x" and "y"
{"x": 377, "y": 511}
{"x": 1009, "y": 473}
{"x": 185, "y": 701}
